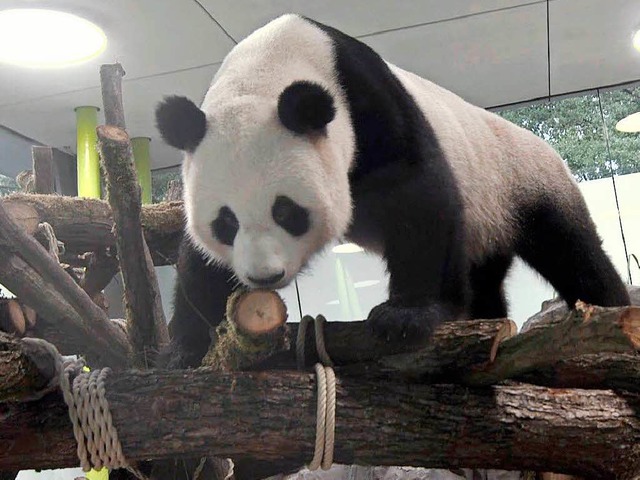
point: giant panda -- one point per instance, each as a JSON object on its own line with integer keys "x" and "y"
{"x": 306, "y": 136}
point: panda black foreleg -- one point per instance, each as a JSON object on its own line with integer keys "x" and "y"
{"x": 200, "y": 298}
{"x": 429, "y": 275}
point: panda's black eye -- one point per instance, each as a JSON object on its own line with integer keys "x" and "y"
{"x": 290, "y": 216}
{"x": 225, "y": 226}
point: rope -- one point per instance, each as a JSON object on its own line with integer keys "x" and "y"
{"x": 321, "y": 348}
{"x": 326, "y": 410}
{"x": 84, "y": 394}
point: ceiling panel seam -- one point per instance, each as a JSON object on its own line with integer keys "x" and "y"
{"x": 210, "y": 15}
{"x": 445, "y": 20}
{"x": 92, "y": 87}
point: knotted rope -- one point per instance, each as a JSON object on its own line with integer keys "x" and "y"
{"x": 93, "y": 428}
{"x": 326, "y": 410}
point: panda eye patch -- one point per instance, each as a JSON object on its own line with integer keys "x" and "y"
{"x": 290, "y": 216}
{"x": 225, "y": 226}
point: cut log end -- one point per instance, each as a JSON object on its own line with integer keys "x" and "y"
{"x": 111, "y": 133}
{"x": 15, "y": 321}
{"x": 258, "y": 311}
{"x": 24, "y": 215}
{"x": 630, "y": 324}
{"x": 112, "y": 69}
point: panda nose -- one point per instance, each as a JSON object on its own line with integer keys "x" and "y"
{"x": 267, "y": 281}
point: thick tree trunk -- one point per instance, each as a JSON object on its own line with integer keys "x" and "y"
{"x": 267, "y": 421}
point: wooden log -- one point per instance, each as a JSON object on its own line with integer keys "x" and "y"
{"x": 145, "y": 318}
{"x": 101, "y": 268}
{"x": 253, "y": 330}
{"x": 43, "y": 285}
{"x": 111, "y": 81}
{"x": 266, "y": 422}
{"x": 618, "y": 371}
{"x": 12, "y": 318}
{"x": 85, "y": 225}
{"x": 43, "y": 169}
{"x": 26, "y": 372}
{"x": 101, "y": 342}
{"x": 585, "y": 330}
{"x": 454, "y": 348}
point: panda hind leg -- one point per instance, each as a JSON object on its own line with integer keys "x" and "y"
{"x": 487, "y": 294}
{"x": 562, "y": 244}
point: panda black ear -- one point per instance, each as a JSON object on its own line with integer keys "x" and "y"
{"x": 181, "y": 123}
{"x": 305, "y": 107}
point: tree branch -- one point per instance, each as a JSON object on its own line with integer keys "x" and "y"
{"x": 145, "y": 318}
{"x": 31, "y": 273}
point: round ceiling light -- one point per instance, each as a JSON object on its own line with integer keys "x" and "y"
{"x": 47, "y": 38}
{"x": 636, "y": 40}
{"x": 629, "y": 124}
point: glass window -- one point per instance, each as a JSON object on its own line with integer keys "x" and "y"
{"x": 7, "y": 185}
{"x": 160, "y": 181}
{"x": 624, "y": 150}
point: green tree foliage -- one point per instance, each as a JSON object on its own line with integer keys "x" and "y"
{"x": 7, "y": 185}
{"x": 160, "y": 182}
{"x": 574, "y": 127}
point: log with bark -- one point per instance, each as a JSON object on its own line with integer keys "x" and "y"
{"x": 86, "y": 224}
{"x": 591, "y": 347}
{"x": 38, "y": 280}
{"x": 145, "y": 317}
{"x": 43, "y": 169}
{"x": 265, "y": 421}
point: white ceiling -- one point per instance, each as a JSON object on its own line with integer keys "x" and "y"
{"x": 492, "y": 52}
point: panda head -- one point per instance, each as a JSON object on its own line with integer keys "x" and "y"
{"x": 265, "y": 179}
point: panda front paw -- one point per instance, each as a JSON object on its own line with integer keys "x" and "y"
{"x": 394, "y": 322}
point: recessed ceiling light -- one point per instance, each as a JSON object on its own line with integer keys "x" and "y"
{"x": 347, "y": 248}
{"x": 366, "y": 283}
{"x": 47, "y": 38}
{"x": 629, "y": 124}
{"x": 636, "y": 40}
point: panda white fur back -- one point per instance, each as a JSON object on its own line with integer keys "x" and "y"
{"x": 491, "y": 159}
{"x": 306, "y": 135}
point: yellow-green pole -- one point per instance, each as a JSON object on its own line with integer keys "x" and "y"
{"x": 87, "y": 148}
{"x": 142, "y": 159}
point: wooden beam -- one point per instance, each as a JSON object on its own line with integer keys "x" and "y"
{"x": 43, "y": 169}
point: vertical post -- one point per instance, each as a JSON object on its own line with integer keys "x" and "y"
{"x": 111, "y": 81}
{"x": 43, "y": 171}
{"x": 142, "y": 160}
{"x": 87, "y": 148}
